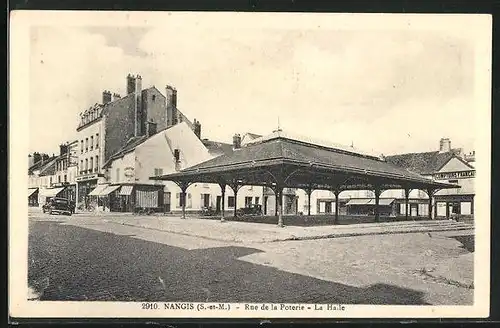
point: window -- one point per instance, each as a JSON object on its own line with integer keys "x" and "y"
{"x": 189, "y": 201}
{"x": 158, "y": 172}
{"x": 97, "y": 141}
{"x": 81, "y": 146}
{"x": 177, "y": 155}
{"x": 153, "y": 97}
{"x": 91, "y": 142}
{"x": 59, "y": 179}
{"x": 97, "y": 165}
{"x": 257, "y": 199}
{"x": 91, "y": 164}
{"x": 86, "y": 164}
{"x": 86, "y": 144}
{"x": 81, "y": 166}
{"x": 50, "y": 181}
{"x": 117, "y": 174}
{"x": 65, "y": 178}
{"x": 230, "y": 201}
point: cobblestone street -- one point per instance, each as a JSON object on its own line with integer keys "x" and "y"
{"x": 95, "y": 259}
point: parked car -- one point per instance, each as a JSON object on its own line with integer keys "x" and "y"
{"x": 58, "y": 205}
{"x": 253, "y": 209}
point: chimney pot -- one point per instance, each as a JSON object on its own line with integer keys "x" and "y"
{"x": 237, "y": 141}
{"x": 444, "y": 145}
{"x": 106, "y": 97}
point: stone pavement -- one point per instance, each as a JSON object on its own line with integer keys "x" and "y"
{"x": 246, "y": 232}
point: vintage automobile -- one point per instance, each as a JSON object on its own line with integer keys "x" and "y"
{"x": 252, "y": 209}
{"x": 58, "y": 205}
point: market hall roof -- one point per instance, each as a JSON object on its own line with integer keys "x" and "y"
{"x": 425, "y": 163}
{"x": 298, "y": 163}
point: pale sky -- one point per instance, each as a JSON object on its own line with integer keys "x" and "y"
{"x": 386, "y": 91}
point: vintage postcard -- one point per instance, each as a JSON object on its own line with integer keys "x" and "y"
{"x": 249, "y": 165}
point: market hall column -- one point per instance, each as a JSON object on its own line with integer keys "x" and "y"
{"x": 407, "y": 196}
{"x": 377, "y": 192}
{"x": 309, "y": 191}
{"x": 222, "y": 201}
{"x": 336, "y": 192}
{"x": 235, "y": 186}
{"x": 430, "y": 193}
{"x": 183, "y": 185}
{"x": 279, "y": 195}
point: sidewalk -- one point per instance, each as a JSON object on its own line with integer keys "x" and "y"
{"x": 245, "y": 232}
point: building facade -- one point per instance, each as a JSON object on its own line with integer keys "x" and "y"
{"x": 164, "y": 152}
{"x": 106, "y": 128}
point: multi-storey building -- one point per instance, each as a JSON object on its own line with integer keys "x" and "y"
{"x": 107, "y": 127}
{"x": 54, "y": 176}
{"x": 448, "y": 165}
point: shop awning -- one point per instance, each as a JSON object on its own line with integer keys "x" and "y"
{"x": 97, "y": 191}
{"x": 51, "y": 192}
{"x": 108, "y": 190}
{"x": 358, "y": 202}
{"x": 31, "y": 191}
{"x": 126, "y": 190}
{"x": 370, "y": 202}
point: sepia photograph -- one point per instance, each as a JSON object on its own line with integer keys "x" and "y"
{"x": 264, "y": 165}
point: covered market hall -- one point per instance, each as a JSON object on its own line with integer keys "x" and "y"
{"x": 279, "y": 161}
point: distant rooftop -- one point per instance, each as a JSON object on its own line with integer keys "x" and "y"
{"x": 311, "y": 141}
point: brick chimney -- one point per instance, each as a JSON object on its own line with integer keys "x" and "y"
{"x": 171, "y": 102}
{"x": 236, "y": 141}
{"x": 139, "y": 120}
{"x": 106, "y": 97}
{"x": 444, "y": 145}
{"x": 31, "y": 160}
{"x": 116, "y": 96}
{"x": 63, "y": 149}
{"x": 130, "y": 84}
{"x": 197, "y": 128}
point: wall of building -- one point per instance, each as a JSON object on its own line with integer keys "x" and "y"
{"x": 89, "y": 153}
{"x": 118, "y": 125}
{"x": 155, "y": 108}
{"x": 122, "y": 169}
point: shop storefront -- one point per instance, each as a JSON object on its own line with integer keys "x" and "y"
{"x": 85, "y": 185}
{"x": 453, "y": 206}
{"x": 32, "y": 196}
{"x": 127, "y": 197}
{"x": 45, "y": 195}
{"x": 366, "y": 206}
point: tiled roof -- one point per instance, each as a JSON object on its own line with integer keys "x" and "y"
{"x": 253, "y": 135}
{"x": 131, "y": 144}
{"x": 281, "y": 149}
{"x": 49, "y": 167}
{"x": 422, "y": 163}
{"x": 217, "y": 148}
{"x": 311, "y": 141}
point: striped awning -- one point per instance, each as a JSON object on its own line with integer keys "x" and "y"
{"x": 97, "y": 191}
{"x": 126, "y": 190}
{"x": 31, "y": 191}
{"x": 52, "y": 192}
{"x": 108, "y": 190}
{"x": 370, "y": 202}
